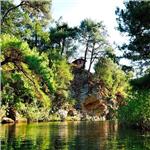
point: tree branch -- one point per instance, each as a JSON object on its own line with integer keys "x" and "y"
{"x": 5, "y": 61}
{"x": 10, "y": 9}
{"x": 8, "y": 59}
{"x": 25, "y": 73}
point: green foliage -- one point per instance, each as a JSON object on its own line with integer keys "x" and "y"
{"x": 31, "y": 57}
{"x": 112, "y": 76}
{"x": 19, "y": 88}
{"x": 61, "y": 70}
{"x": 134, "y": 20}
{"x": 27, "y": 20}
{"x": 62, "y": 37}
{"x": 35, "y": 59}
{"x": 30, "y": 77}
{"x": 62, "y": 74}
{"x": 142, "y": 82}
{"x": 10, "y": 24}
{"x": 137, "y": 110}
{"x": 40, "y": 9}
{"x": 93, "y": 35}
{"x": 32, "y": 112}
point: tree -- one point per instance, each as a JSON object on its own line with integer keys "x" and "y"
{"x": 31, "y": 72}
{"x": 92, "y": 35}
{"x": 19, "y": 76}
{"x": 27, "y": 20}
{"x": 135, "y": 21}
{"x": 63, "y": 38}
{"x": 111, "y": 75}
{"x": 137, "y": 111}
{"x": 37, "y": 8}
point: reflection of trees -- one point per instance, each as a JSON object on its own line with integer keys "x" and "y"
{"x": 24, "y": 137}
{"x": 65, "y": 136}
{"x": 71, "y": 136}
{"x": 94, "y": 135}
{"x": 60, "y": 141}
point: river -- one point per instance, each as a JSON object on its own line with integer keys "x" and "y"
{"x": 104, "y": 135}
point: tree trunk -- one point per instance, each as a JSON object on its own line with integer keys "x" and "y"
{"x": 85, "y": 54}
{"x": 10, "y": 9}
{"x": 91, "y": 59}
{"x": 63, "y": 47}
{"x": 36, "y": 38}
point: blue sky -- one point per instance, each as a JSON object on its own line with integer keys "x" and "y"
{"x": 73, "y": 11}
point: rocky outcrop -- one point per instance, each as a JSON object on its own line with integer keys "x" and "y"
{"x": 94, "y": 106}
{"x": 93, "y": 96}
{"x": 79, "y": 86}
{"x": 62, "y": 113}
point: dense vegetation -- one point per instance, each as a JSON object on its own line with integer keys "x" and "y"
{"x": 134, "y": 20}
{"x": 36, "y": 76}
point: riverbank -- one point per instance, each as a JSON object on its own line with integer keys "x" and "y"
{"x": 63, "y": 115}
{"x": 52, "y": 117}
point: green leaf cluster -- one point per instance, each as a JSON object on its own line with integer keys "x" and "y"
{"x": 30, "y": 76}
{"x": 135, "y": 22}
{"x": 115, "y": 80}
{"x": 137, "y": 110}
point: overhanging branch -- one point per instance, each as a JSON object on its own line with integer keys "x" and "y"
{"x": 10, "y": 9}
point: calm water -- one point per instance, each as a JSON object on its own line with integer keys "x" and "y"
{"x": 72, "y": 136}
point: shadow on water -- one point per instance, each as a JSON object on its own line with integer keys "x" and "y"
{"x": 72, "y": 136}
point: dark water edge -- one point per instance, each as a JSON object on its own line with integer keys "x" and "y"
{"x": 102, "y": 135}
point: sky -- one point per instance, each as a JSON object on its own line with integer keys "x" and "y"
{"x": 74, "y": 11}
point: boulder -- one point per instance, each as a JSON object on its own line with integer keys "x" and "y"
{"x": 62, "y": 113}
{"x": 7, "y": 120}
{"x": 72, "y": 112}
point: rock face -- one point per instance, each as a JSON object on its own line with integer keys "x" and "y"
{"x": 79, "y": 87}
{"x": 92, "y": 95}
{"x": 94, "y": 106}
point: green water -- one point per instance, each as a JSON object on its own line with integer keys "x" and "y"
{"x": 72, "y": 136}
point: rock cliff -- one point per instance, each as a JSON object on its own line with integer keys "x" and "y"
{"x": 92, "y": 95}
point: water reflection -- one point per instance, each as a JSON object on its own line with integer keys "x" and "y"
{"x": 71, "y": 136}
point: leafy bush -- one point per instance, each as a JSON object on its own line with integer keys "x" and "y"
{"x": 30, "y": 77}
{"x": 33, "y": 112}
{"x": 112, "y": 76}
{"x": 137, "y": 110}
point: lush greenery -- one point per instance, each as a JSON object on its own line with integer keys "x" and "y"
{"x": 137, "y": 111}
{"x": 36, "y": 78}
{"x": 27, "y": 78}
{"x": 114, "y": 79}
{"x": 134, "y": 20}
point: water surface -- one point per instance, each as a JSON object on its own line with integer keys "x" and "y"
{"x": 72, "y": 136}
